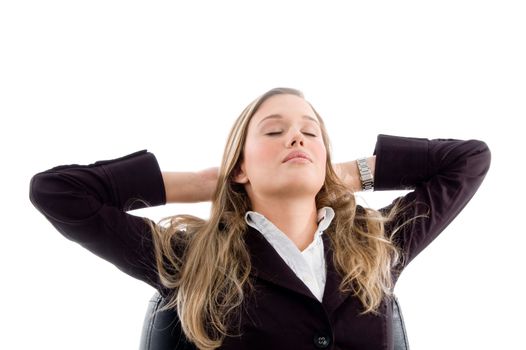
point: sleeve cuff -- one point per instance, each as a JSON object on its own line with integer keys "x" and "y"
{"x": 401, "y": 162}
{"x": 135, "y": 176}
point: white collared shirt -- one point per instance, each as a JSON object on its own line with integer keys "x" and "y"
{"x": 309, "y": 264}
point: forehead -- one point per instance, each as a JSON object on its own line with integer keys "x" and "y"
{"x": 283, "y": 107}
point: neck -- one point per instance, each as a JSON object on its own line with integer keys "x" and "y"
{"x": 295, "y": 217}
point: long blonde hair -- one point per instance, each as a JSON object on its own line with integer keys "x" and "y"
{"x": 206, "y": 263}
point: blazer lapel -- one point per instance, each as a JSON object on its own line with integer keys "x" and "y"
{"x": 332, "y": 297}
{"x": 268, "y": 265}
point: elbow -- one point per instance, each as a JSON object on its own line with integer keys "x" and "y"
{"x": 58, "y": 198}
{"x": 37, "y": 191}
{"x": 481, "y": 157}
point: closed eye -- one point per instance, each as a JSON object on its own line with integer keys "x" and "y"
{"x": 279, "y": 132}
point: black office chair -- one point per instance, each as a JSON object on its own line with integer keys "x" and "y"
{"x": 162, "y": 331}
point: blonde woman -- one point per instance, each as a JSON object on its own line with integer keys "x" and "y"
{"x": 287, "y": 259}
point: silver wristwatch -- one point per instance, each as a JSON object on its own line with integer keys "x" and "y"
{"x": 365, "y": 175}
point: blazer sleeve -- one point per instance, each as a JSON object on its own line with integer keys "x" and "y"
{"x": 444, "y": 174}
{"x": 88, "y": 203}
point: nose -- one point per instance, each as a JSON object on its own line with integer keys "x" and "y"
{"x": 297, "y": 138}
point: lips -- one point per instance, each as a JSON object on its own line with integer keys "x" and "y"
{"x": 296, "y": 154}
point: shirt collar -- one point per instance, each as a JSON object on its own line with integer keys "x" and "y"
{"x": 264, "y": 225}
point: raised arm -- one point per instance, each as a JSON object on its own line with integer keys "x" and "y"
{"x": 88, "y": 204}
{"x": 444, "y": 174}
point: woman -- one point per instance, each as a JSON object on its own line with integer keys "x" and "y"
{"x": 287, "y": 259}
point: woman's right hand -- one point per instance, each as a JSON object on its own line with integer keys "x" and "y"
{"x": 190, "y": 187}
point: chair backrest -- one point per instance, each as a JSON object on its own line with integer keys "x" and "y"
{"x": 162, "y": 330}
{"x": 399, "y": 333}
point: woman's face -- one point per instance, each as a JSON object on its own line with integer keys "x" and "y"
{"x": 271, "y": 138}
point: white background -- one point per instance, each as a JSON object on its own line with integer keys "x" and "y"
{"x": 87, "y": 81}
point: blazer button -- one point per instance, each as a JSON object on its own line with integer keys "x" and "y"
{"x": 322, "y": 341}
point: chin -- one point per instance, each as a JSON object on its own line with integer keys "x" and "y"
{"x": 298, "y": 188}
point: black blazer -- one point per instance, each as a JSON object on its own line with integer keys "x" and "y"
{"x": 88, "y": 204}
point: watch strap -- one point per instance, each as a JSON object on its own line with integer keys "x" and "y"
{"x": 366, "y": 176}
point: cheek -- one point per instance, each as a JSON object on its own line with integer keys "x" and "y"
{"x": 321, "y": 153}
{"x": 259, "y": 154}
{"x": 264, "y": 152}
{"x": 322, "y": 160}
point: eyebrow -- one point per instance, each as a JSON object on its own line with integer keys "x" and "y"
{"x": 279, "y": 116}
